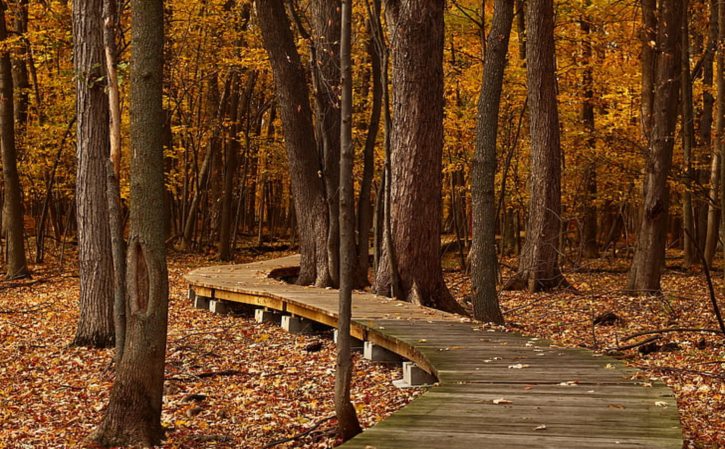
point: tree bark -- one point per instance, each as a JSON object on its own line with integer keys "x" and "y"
{"x": 364, "y": 209}
{"x": 347, "y": 422}
{"x": 326, "y": 72}
{"x": 308, "y": 187}
{"x": 416, "y": 157}
{"x": 645, "y": 273}
{"x": 539, "y": 261}
{"x": 12, "y": 220}
{"x": 705, "y": 132}
{"x": 720, "y": 126}
{"x": 133, "y": 416}
{"x": 483, "y": 250}
{"x": 96, "y": 322}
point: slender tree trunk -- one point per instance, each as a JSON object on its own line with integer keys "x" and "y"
{"x": 113, "y": 177}
{"x": 231, "y": 166}
{"x": 688, "y": 139}
{"x": 590, "y": 245}
{"x": 326, "y": 39}
{"x": 364, "y": 209}
{"x": 96, "y": 321}
{"x": 483, "y": 250}
{"x": 21, "y": 79}
{"x": 308, "y": 189}
{"x": 705, "y": 131}
{"x": 133, "y": 416}
{"x": 347, "y": 422}
{"x": 539, "y": 261}
{"x": 416, "y": 158}
{"x": 645, "y": 273}
{"x": 12, "y": 215}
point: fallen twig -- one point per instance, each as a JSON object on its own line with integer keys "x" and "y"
{"x": 671, "y": 329}
{"x": 634, "y": 345}
{"x": 299, "y": 435}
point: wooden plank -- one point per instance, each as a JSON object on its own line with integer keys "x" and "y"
{"x": 585, "y": 401}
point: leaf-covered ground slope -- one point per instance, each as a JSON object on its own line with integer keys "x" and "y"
{"x": 230, "y": 382}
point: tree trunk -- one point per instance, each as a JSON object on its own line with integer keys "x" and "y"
{"x": 688, "y": 140}
{"x": 416, "y": 157}
{"x": 706, "y": 119}
{"x": 347, "y": 422}
{"x": 21, "y": 79}
{"x": 133, "y": 416}
{"x": 590, "y": 246}
{"x": 96, "y": 322}
{"x": 308, "y": 188}
{"x": 483, "y": 250}
{"x": 645, "y": 273}
{"x": 12, "y": 219}
{"x": 539, "y": 261}
{"x": 364, "y": 209}
{"x": 326, "y": 72}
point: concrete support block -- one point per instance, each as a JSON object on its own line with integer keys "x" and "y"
{"x": 296, "y": 325}
{"x": 266, "y": 316}
{"x": 377, "y": 353}
{"x": 216, "y": 306}
{"x": 200, "y": 302}
{"x": 415, "y": 376}
{"x": 355, "y": 344}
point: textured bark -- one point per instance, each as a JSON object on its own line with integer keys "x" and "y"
{"x": 326, "y": 72}
{"x": 95, "y": 323}
{"x": 231, "y": 166}
{"x": 688, "y": 139}
{"x": 12, "y": 219}
{"x": 644, "y": 275}
{"x": 133, "y": 416}
{"x": 416, "y": 157}
{"x": 539, "y": 261}
{"x": 483, "y": 196}
{"x": 648, "y": 34}
{"x": 308, "y": 188}
{"x": 347, "y": 422}
{"x": 590, "y": 246}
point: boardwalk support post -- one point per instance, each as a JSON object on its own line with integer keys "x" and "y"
{"x": 377, "y": 353}
{"x": 296, "y": 325}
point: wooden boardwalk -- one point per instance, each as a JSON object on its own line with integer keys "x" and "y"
{"x": 495, "y": 389}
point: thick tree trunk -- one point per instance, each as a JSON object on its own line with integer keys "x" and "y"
{"x": 21, "y": 78}
{"x": 347, "y": 422}
{"x": 539, "y": 261}
{"x": 96, "y": 322}
{"x": 706, "y": 120}
{"x": 12, "y": 219}
{"x": 590, "y": 246}
{"x": 688, "y": 140}
{"x": 416, "y": 158}
{"x": 645, "y": 273}
{"x": 308, "y": 188}
{"x": 133, "y": 416}
{"x": 326, "y": 39}
{"x": 483, "y": 250}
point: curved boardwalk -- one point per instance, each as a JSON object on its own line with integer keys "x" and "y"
{"x": 495, "y": 389}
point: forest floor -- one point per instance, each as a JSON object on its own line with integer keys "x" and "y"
{"x": 234, "y": 383}
{"x": 230, "y": 382}
{"x": 691, "y": 363}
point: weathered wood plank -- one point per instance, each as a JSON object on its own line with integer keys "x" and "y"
{"x": 584, "y": 400}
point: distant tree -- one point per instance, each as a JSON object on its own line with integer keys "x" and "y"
{"x": 483, "y": 250}
{"x": 95, "y": 322}
{"x": 539, "y": 261}
{"x": 590, "y": 247}
{"x": 308, "y": 188}
{"x": 12, "y": 219}
{"x": 416, "y": 29}
{"x": 347, "y": 422}
{"x": 660, "y": 85}
{"x": 133, "y": 416}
